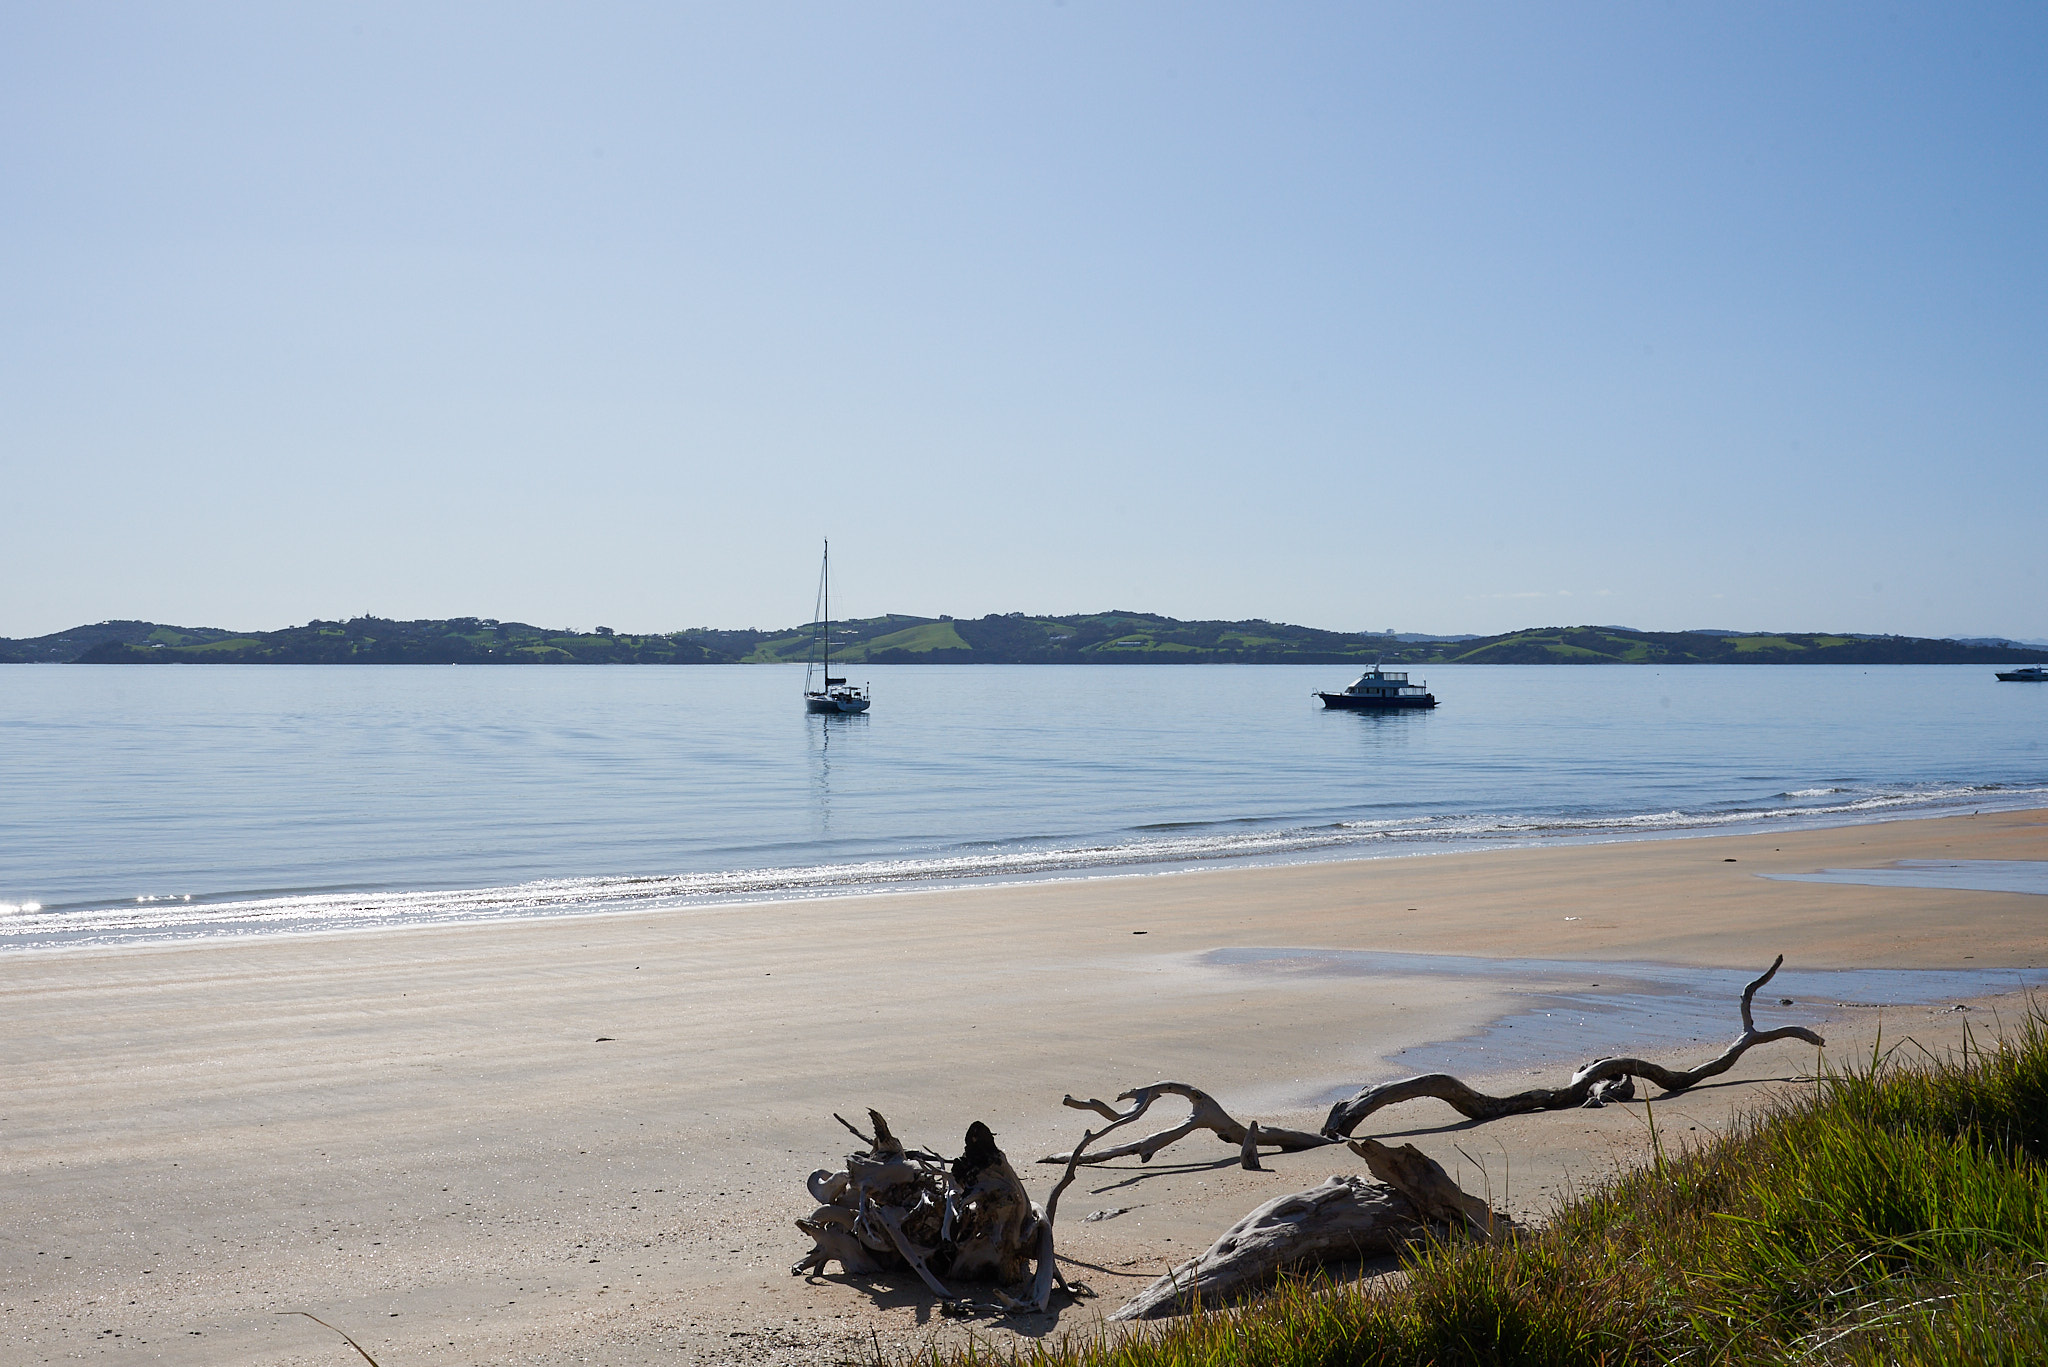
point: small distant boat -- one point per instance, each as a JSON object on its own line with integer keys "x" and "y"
{"x": 1378, "y": 690}
{"x": 837, "y": 695}
{"x": 2025, "y": 674}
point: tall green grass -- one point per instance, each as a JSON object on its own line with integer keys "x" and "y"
{"x": 1897, "y": 1214}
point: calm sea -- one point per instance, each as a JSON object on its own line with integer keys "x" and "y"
{"x": 174, "y": 802}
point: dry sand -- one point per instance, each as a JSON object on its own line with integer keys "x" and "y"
{"x": 583, "y": 1140}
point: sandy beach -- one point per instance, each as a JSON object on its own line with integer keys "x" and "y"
{"x": 583, "y": 1140}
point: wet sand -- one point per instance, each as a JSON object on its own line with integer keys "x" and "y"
{"x": 584, "y": 1140}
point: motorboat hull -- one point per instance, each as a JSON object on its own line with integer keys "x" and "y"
{"x": 2025, "y": 676}
{"x": 1351, "y": 702}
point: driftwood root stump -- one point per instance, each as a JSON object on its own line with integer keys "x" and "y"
{"x": 894, "y": 1208}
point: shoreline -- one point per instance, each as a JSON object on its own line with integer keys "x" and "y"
{"x": 427, "y": 1138}
{"x": 1337, "y": 851}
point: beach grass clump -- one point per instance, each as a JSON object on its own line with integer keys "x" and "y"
{"x": 1896, "y": 1213}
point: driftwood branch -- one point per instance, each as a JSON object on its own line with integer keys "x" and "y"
{"x": 1590, "y": 1083}
{"x": 1603, "y": 1080}
{"x": 1052, "y": 1202}
{"x": 1048, "y": 1268}
{"x": 1204, "y": 1114}
{"x": 910, "y": 1253}
{"x": 325, "y": 1325}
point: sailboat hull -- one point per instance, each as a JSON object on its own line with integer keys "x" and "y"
{"x": 837, "y": 697}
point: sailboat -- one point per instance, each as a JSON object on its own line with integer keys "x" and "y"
{"x": 837, "y": 695}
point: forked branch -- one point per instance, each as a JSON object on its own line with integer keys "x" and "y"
{"x": 1589, "y": 1082}
{"x": 1204, "y": 1114}
{"x": 1607, "y": 1079}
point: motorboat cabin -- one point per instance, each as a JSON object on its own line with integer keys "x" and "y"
{"x": 1379, "y": 689}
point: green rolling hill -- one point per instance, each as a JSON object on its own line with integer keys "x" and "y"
{"x": 1014, "y": 638}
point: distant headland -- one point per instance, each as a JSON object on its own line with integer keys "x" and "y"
{"x": 1013, "y": 638}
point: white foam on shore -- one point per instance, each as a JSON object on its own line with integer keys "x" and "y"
{"x": 159, "y": 917}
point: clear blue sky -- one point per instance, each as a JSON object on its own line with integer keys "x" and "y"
{"x": 1434, "y": 317}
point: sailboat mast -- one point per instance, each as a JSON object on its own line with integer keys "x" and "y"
{"x": 827, "y": 574}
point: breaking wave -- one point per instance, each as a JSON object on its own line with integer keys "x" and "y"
{"x": 157, "y": 917}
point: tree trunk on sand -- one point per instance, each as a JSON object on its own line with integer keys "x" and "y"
{"x": 1345, "y": 1218}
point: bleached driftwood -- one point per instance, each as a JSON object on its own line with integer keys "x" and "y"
{"x": 1204, "y": 1114}
{"x": 968, "y": 1220}
{"x": 893, "y": 1207}
{"x": 1429, "y": 1188}
{"x": 1586, "y": 1084}
{"x": 1603, "y": 1080}
{"x": 1346, "y": 1217}
{"x": 997, "y": 1235}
